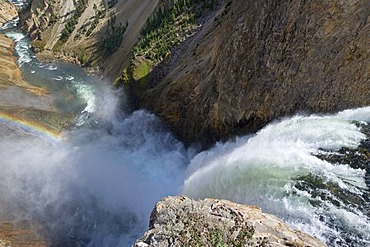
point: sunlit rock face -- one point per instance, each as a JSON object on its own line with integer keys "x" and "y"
{"x": 259, "y": 60}
{"x": 180, "y": 221}
{"x": 10, "y": 75}
{"x": 7, "y": 12}
{"x": 45, "y": 21}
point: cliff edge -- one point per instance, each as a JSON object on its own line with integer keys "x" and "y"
{"x": 180, "y": 221}
{"x": 217, "y": 68}
{"x": 255, "y": 61}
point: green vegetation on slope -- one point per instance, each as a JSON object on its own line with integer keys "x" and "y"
{"x": 114, "y": 36}
{"x": 100, "y": 12}
{"x": 80, "y": 6}
{"x": 169, "y": 26}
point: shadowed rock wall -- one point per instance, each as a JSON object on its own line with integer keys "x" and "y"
{"x": 260, "y": 60}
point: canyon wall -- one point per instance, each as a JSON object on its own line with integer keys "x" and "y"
{"x": 76, "y": 30}
{"x": 256, "y": 61}
{"x": 7, "y": 12}
{"x": 233, "y": 68}
{"x": 238, "y": 66}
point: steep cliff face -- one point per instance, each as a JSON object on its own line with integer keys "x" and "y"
{"x": 7, "y": 12}
{"x": 44, "y": 21}
{"x": 91, "y": 32}
{"x": 240, "y": 65}
{"x": 180, "y": 221}
{"x": 255, "y": 61}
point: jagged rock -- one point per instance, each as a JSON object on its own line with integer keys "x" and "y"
{"x": 7, "y": 12}
{"x": 180, "y": 221}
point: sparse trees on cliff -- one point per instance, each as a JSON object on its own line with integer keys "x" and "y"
{"x": 114, "y": 36}
{"x": 69, "y": 27}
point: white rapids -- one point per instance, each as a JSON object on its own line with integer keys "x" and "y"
{"x": 263, "y": 170}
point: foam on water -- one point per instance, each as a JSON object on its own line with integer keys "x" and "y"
{"x": 263, "y": 170}
{"x": 86, "y": 92}
{"x": 16, "y": 36}
{"x": 21, "y": 47}
{"x": 11, "y": 24}
{"x": 51, "y": 67}
{"x": 58, "y": 78}
{"x": 359, "y": 114}
{"x": 18, "y": 3}
{"x": 99, "y": 187}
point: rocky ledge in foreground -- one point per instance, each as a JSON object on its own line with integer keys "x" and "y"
{"x": 180, "y": 221}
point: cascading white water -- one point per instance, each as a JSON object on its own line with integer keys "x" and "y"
{"x": 98, "y": 186}
{"x": 264, "y": 169}
{"x": 10, "y": 24}
{"x": 110, "y": 171}
{"x": 21, "y": 47}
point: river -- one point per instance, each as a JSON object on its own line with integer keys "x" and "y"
{"x": 96, "y": 183}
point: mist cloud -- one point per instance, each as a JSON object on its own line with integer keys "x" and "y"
{"x": 100, "y": 184}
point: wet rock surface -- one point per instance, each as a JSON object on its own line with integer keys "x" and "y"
{"x": 180, "y": 221}
{"x": 356, "y": 158}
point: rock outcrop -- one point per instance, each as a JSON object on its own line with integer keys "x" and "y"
{"x": 7, "y": 12}
{"x": 180, "y": 221}
{"x": 256, "y": 61}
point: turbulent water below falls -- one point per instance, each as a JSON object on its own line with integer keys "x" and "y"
{"x": 97, "y": 186}
{"x": 280, "y": 170}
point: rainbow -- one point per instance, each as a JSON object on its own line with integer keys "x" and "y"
{"x": 31, "y": 127}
